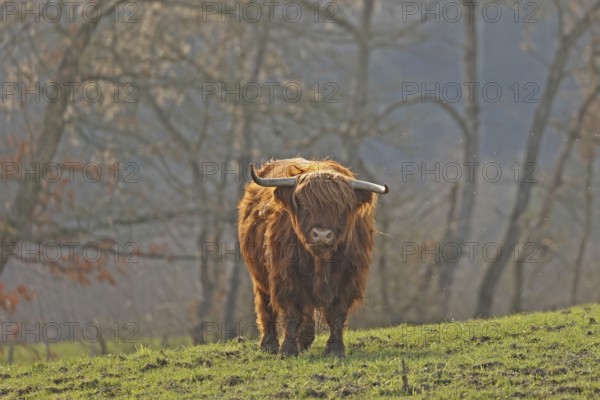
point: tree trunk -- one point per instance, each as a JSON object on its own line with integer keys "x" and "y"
{"x": 361, "y": 87}
{"x": 447, "y": 267}
{"x": 4, "y": 255}
{"x": 244, "y": 160}
{"x": 206, "y": 283}
{"x": 230, "y": 303}
{"x": 471, "y": 146}
{"x": 47, "y": 144}
{"x": 11, "y": 352}
{"x": 460, "y": 226}
{"x": 587, "y": 227}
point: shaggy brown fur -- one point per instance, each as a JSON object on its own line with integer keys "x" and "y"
{"x": 292, "y": 277}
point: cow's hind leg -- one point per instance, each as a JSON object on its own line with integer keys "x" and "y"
{"x": 307, "y": 328}
{"x": 267, "y": 323}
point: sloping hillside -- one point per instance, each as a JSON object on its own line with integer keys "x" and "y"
{"x": 542, "y": 355}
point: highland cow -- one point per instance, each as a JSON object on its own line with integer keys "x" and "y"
{"x": 306, "y": 233}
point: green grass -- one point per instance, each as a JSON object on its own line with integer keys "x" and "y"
{"x": 31, "y": 353}
{"x": 541, "y": 355}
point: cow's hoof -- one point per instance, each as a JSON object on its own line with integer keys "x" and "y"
{"x": 288, "y": 349}
{"x": 336, "y": 350}
{"x": 270, "y": 347}
{"x": 304, "y": 341}
{"x": 304, "y": 345}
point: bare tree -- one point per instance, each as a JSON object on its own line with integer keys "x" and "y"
{"x": 533, "y": 231}
{"x": 53, "y": 125}
{"x": 568, "y": 37}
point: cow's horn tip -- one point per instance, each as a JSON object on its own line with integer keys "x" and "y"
{"x": 253, "y": 172}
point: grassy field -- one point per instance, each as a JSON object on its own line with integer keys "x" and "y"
{"x": 541, "y": 355}
{"x": 32, "y": 353}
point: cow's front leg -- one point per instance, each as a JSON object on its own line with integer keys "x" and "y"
{"x": 306, "y": 334}
{"x": 336, "y": 318}
{"x": 292, "y": 317}
{"x": 267, "y": 322}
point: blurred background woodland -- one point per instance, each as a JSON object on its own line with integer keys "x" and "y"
{"x": 171, "y": 100}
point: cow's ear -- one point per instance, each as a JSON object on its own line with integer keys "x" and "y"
{"x": 283, "y": 196}
{"x": 364, "y": 196}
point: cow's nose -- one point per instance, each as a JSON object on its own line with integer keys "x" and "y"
{"x": 322, "y": 235}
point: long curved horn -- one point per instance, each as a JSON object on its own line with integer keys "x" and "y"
{"x": 271, "y": 182}
{"x": 371, "y": 187}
